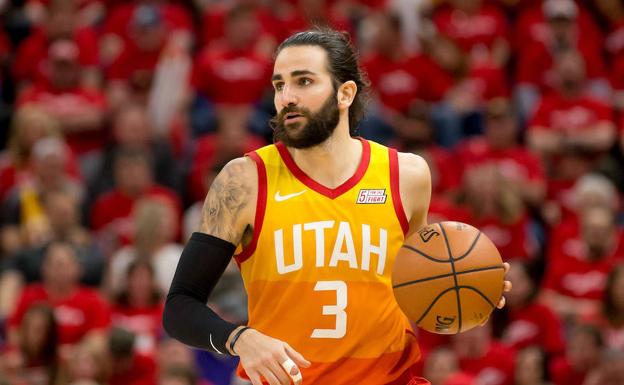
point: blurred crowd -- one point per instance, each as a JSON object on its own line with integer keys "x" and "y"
{"x": 115, "y": 116}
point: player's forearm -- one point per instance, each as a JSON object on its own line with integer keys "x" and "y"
{"x": 186, "y": 316}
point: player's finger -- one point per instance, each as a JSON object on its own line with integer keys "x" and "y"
{"x": 501, "y": 303}
{"x": 293, "y": 371}
{"x": 270, "y": 377}
{"x": 507, "y": 266}
{"x": 254, "y": 378}
{"x": 507, "y": 285}
{"x": 297, "y": 357}
{"x": 280, "y": 372}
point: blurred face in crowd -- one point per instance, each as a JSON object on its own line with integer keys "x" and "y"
{"x": 447, "y": 54}
{"x": 36, "y": 330}
{"x": 386, "y": 31}
{"x": 241, "y": 28}
{"x": 583, "y": 350}
{"x": 86, "y": 364}
{"x": 50, "y": 160}
{"x": 468, "y": 6}
{"x": 132, "y": 175}
{"x": 61, "y": 22}
{"x": 529, "y": 366}
{"x": 131, "y": 127}
{"x": 305, "y": 99}
{"x": 610, "y": 8}
{"x": 30, "y": 125}
{"x": 140, "y": 285}
{"x": 60, "y": 267}
{"x": 616, "y": 291}
{"x": 172, "y": 353}
{"x": 473, "y": 343}
{"x": 62, "y": 210}
{"x": 598, "y": 231}
{"x": 570, "y": 69}
{"x": 440, "y": 365}
{"x": 522, "y": 285}
{"x": 500, "y": 128}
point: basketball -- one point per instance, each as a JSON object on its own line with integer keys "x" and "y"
{"x": 448, "y": 277}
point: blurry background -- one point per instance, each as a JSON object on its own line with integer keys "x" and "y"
{"x": 115, "y": 116}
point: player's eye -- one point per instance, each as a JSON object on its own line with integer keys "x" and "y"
{"x": 305, "y": 81}
{"x": 278, "y": 86}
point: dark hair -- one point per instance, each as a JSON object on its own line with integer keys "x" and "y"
{"x": 185, "y": 374}
{"x": 47, "y": 353}
{"x": 123, "y": 298}
{"x": 610, "y": 310}
{"x": 342, "y": 62}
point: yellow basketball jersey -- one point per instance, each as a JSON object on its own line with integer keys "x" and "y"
{"x": 318, "y": 270}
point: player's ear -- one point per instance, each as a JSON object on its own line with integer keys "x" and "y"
{"x": 346, "y": 94}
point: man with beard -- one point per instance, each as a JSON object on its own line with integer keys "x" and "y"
{"x": 319, "y": 217}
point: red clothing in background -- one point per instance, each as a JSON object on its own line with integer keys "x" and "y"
{"x": 145, "y": 323}
{"x": 570, "y": 273}
{"x": 32, "y": 54}
{"x": 398, "y": 82}
{"x": 534, "y": 324}
{"x": 495, "y": 368}
{"x": 228, "y": 76}
{"x": 472, "y": 31}
{"x": 69, "y": 102}
{"x": 569, "y": 116}
{"x": 82, "y": 311}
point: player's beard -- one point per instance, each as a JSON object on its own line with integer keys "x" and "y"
{"x": 319, "y": 127}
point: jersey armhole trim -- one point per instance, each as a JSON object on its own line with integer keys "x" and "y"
{"x": 396, "y": 191}
{"x": 260, "y": 209}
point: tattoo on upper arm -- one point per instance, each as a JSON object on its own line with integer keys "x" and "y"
{"x": 228, "y": 196}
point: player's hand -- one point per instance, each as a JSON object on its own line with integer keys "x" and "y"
{"x": 506, "y": 287}
{"x": 267, "y": 358}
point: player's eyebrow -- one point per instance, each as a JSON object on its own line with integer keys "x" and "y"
{"x": 293, "y": 74}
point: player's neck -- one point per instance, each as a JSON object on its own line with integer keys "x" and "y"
{"x": 332, "y": 162}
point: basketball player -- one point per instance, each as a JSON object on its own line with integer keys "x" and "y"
{"x": 319, "y": 216}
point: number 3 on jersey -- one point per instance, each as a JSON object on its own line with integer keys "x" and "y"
{"x": 340, "y": 287}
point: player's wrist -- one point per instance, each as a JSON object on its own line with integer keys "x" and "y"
{"x": 234, "y": 339}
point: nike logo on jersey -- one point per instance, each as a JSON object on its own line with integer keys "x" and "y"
{"x": 281, "y": 198}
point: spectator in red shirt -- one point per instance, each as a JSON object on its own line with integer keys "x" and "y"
{"x": 132, "y": 129}
{"x": 496, "y": 208}
{"x": 80, "y": 312}
{"x": 111, "y": 212}
{"x": 499, "y": 145}
{"x": 467, "y": 85}
{"x": 60, "y": 23}
{"x": 305, "y": 14}
{"x": 211, "y": 151}
{"x": 138, "y": 307}
{"x": 582, "y": 356}
{"x": 231, "y": 70}
{"x": 568, "y": 123}
{"x": 127, "y": 366}
{"x": 78, "y": 109}
{"x": 537, "y": 67}
{"x": 398, "y": 78}
{"x": 524, "y": 321}
{"x": 29, "y": 125}
{"x": 532, "y": 366}
{"x": 118, "y": 27}
{"x": 577, "y": 269}
{"x": 610, "y": 318}
{"x": 23, "y": 211}
{"x": 489, "y": 361}
{"x": 442, "y": 365}
{"x": 479, "y": 29}
{"x": 131, "y": 76}
{"x": 35, "y": 357}
{"x": 178, "y": 376}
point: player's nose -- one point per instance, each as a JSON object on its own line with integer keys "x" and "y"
{"x": 288, "y": 97}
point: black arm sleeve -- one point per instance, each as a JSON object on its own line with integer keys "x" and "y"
{"x": 186, "y": 316}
